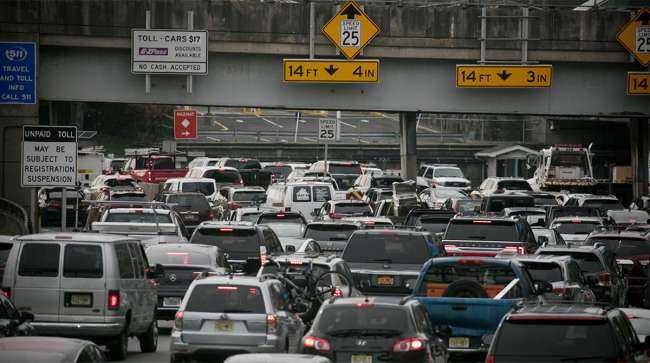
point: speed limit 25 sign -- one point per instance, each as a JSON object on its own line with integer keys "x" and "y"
{"x": 328, "y": 129}
{"x": 350, "y": 29}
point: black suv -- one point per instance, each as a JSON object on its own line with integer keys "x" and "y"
{"x": 374, "y": 329}
{"x": 567, "y": 333}
{"x": 388, "y": 262}
{"x": 600, "y": 270}
{"x": 487, "y": 235}
{"x": 430, "y": 220}
{"x": 246, "y": 246}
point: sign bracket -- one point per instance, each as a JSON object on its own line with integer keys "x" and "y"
{"x": 190, "y": 26}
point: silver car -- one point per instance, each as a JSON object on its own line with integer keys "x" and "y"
{"x": 224, "y": 315}
{"x": 49, "y": 350}
{"x": 276, "y": 358}
{"x": 85, "y": 285}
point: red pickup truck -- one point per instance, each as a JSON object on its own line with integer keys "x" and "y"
{"x": 153, "y": 168}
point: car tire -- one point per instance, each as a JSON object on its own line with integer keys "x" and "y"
{"x": 149, "y": 340}
{"x": 465, "y": 288}
{"x": 119, "y": 347}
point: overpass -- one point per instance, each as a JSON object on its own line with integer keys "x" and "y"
{"x": 84, "y": 55}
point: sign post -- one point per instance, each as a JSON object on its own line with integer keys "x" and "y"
{"x": 49, "y": 159}
{"x": 17, "y": 73}
{"x": 185, "y": 126}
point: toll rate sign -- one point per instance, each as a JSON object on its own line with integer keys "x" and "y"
{"x": 49, "y": 156}
{"x": 504, "y": 76}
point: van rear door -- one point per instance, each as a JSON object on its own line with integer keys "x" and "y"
{"x": 37, "y": 280}
{"x": 83, "y": 281}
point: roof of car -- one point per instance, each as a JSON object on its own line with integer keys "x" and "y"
{"x": 543, "y": 258}
{"x": 276, "y": 358}
{"x": 592, "y": 196}
{"x": 222, "y": 279}
{"x": 242, "y": 188}
{"x": 74, "y": 237}
{"x": 485, "y": 217}
{"x": 560, "y": 312}
{"x": 401, "y": 232}
{"x": 138, "y": 210}
{"x": 374, "y": 300}
{"x": 347, "y": 201}
{"x": 619, "y": 234}
{"x": 205, "y": 168}
{"x": 332, "y": 223}
{"x": 41, "y": 349}
{"x": 189, "y": 180}
{"x": 182, "y": 246}
{"x": 570, "y": 249}
{"x": 228, "y": 224}
{"x": 577, "y": 219}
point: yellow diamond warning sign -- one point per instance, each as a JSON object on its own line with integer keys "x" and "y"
{"x": 350, "y": 29}
{"x": 635, "y": 36}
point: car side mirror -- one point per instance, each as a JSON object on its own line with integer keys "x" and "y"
{"x": 290, "y": 249}
{"x": 26, "y": 316}
{"x": 156, "y": 271}
{"x": 543, "y": 287}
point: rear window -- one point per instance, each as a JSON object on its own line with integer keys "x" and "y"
{"x": 229, "y": 239}
{"x": 39, "y": 259}
{"x": 544, "y": 201}
{"x": 588, "y": 262}
{"x": 167, "y": 257}
{"x": 189, "y": 201}
{"x": 232, "y": 299}
{"x": 633, "y": 216}
{"x": 163, "y": 163}
{"x": 338, "y": 232}
{"x": 280, "y": 218}
{"x": 482, "y": 232}
{"x": 351, "y": 168}
{"x": 384, "y": 182}
{"x": 243, "y": 164}
{"x": 138, "y": 218}
{"x": 249, "y": 196}
{"x": 322, "y": 194}
{"x": 387, "y": 247}
{"x": 603, "y": 204}
{"x": 433, "y": 225}
{"x": 362, "y": 209}
{"x": 278, "y": 170}
{"x": 129, "y": 197}
{"x": 575, "y": 228}
{"x": 362, "y": 320}
{"x": 117, "y": 164}
{"x": 550, "y": 272}
{"x": 113, "y": 183}
{"x": 448, "y": 173}
{"x": 624, "y": 247}
{"x": 514, "y": 185}
{"x": 497, "y": 204}
{"x": 441, "y": 193}
{"x": 204, "y": 188}
{"x": 223, "y": 176}
{"x": 468, "y": 206}
{"x": 83, "y": 261}
{"x": 483, "y": 274}
{"x": 562, "y": 338}
{"x": 302, "y": 194}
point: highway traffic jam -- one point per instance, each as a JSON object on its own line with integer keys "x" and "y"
{"x": 333, "y": 261}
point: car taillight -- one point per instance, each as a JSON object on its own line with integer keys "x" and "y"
{"x": 233, "y": 205}
{"x": 241, "y": 182}
{"x": 520, "y": 250}
{"x": 337, "y": 292}
{"x": 409, "y": 345}
{"x": 333, "y": 215}
{"x": 6, "y": 292}
{"x": 271, "y": 324}
{"x": 318, "y": 344}
{"x": 113, "y": 299}
{"x": 604, "y": 279}
{"x": 263, "y": 259}
{"x": 274, "y": 178}
{"x": 178, "y": 320}
{"x": 490, "y": 359}
{"x": 147, "y": 176}
{"x": 196, "y": 274}
{"x": 451, "y": 248}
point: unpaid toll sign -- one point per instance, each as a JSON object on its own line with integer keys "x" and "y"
{"x": 350, "y": 29}
{"x": 49, "y": 157}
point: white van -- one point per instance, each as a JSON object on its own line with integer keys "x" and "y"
{"x": 206, "y": 186}
{"x": 300, "y": 197}
{"x": 202, "y": 161}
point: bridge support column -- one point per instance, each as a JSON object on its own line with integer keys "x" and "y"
{"x": 639, "y": 147}
{"x": 408, "y": 144}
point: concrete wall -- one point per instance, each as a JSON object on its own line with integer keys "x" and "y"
{"x": 275, "y": 28}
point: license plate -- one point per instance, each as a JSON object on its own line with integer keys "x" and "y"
{"x": 385, "y": 280}
{"x": 81, "y": 300}
{"x": 223, "y": 325}
{"x": 458, "y": 342}
{"x": 359, "y": 358}
{"x": 172, "y": 301}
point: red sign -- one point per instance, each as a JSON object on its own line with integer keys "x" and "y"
{"x": 185, "y": 124}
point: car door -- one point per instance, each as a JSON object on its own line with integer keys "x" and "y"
{"x": 37, "y": 280}
{"x": 83, "y": 283}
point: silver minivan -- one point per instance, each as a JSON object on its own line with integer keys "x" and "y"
{"x": 86, "y": 285}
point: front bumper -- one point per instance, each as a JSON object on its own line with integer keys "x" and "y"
{"x": 180, "y": 348}
{"x": 80, "y": 330}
